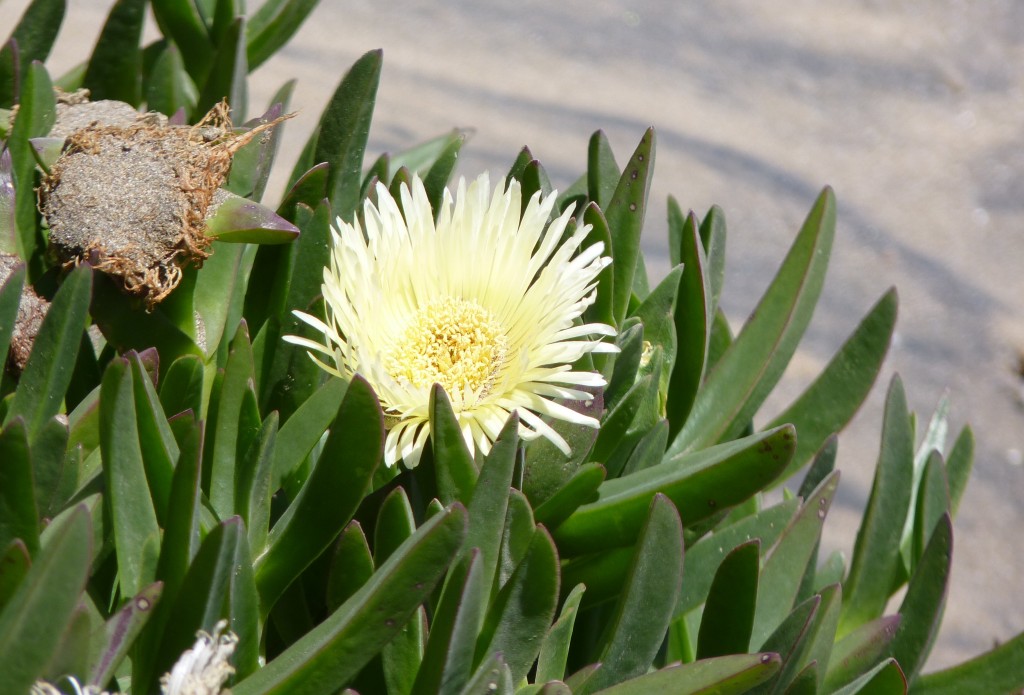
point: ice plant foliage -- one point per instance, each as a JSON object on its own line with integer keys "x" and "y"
{"x": 485, "y": 302}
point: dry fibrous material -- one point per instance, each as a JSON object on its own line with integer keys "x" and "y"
{"x": 31, "y": 312}
{"x": 131, "y": 199}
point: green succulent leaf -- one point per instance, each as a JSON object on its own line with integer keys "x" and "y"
{"x": 728, "y": 617}
{"x": 554, "y": 651}
{"x": 33, "y": 621}
{"x": 788, "y": 560}
{"x": 181, "y": 21}
{"x": 121, "y": 630}
{"x": 522, "y": 611}
{"x": 625, "y": 214}
{"x": 885, "y": 679}
{"x": 693, "y": 316}
{"x": 241, "y": 221}
{"x": 115, "y": 67}
{"x": 876, "y": 550}
{"x": 723, "y": 675}
{"x": 641, "y": 618}
{"x": 421, "y": 158}
{"x": 1000, "y": 670}
{"x": 9, "y": 239}
{"x": 169, "y": 87}
{"x": 340, "y": 139}
{"x": 488, "y": 505}
{"x": 580, "y": 489}
{"x": 227, "y": 76}
{"x": 922, "y": 606}
{"x": 855, "y": 654}
{"x": 19, "y": 517}
{"x": 330, "y": 496}
{"x": 454, "y": 470}
{"x": 14, "y": 564}
{"x": 251, "y": 165}
{"x": 272, "y": 25}
{"x": 699, "y": 484}
{"x": 835, "y": 396}
{"x": 305, "y": 428}
{"x": 958, "y": 466}
{"x": 448, "y": 657}
{"x": 791, "y": 640}
{"x": 603, "y": 173}
{"x": 37, "y": 111}
{"x": 34, "y": 34}
{"x": 712, "y": 236}
{"x": 754, "y": 363}
{"x": 328, "y": 656}
{"x": 136, "y": 532}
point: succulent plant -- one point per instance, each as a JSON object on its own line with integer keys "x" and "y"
{"x": 171, "y": 467}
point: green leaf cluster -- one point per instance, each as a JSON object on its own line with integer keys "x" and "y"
{"x": 162, "y": 471}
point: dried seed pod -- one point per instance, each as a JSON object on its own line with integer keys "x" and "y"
{"x": 132, "y": 199}
{"x": 31, "y": 312}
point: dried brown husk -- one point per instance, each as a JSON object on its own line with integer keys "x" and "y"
{"x": 132, "y": 199}
{"x": 31, "y": 311}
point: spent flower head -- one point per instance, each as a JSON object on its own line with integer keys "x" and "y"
{"x": 486, "y": 302}
{"x": 202, "y": 669}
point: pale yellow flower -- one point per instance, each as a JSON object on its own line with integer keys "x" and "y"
{"x": 202, "y": 669}
{"x": 485, "y": 302}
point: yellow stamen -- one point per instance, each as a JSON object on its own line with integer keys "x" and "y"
{"x": 452, "y": 342}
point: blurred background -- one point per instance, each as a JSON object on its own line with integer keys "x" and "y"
{"x": 912, "y": 111}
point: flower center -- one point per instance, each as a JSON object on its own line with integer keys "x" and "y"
{"x": 453, "y": 342}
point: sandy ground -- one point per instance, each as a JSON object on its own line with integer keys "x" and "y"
{"x": 912, "y": 111}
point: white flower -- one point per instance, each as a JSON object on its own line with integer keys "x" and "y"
{"x": 44, "y": 688}
{"x": 485, "y": 303}
{"x": 202, "y": 669}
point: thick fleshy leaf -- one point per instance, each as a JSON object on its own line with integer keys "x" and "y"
{"x": 958, "y": 466}
{"x": 580, "y": 489}
{"x": 37, "y": 111}
{"x": 33, "y": 621}
{"x": 1000, "y": 670}
{"x": 351, "y": 566}
{"x": 699, "y": 484}
{"x": 156, "y": 439}
{"x": 489, "y": 502}
{"x": 922, "y": 606}
{"x": 226, "y": 425}
{"x": 788, "y": 560}
{"x": 34, "y": 34}
{"x": 19, "y": 517}
{"x": 728, "y": 617}
{"x": 53, "y": 475}
{"x": 48, "y": 372}
{"x": 835, "y": 396}
{"x": 516, "y": 537}
{"x": 305, "y": 427}
{"x": 115, "y": 67}
{"x": 228, "y": 73}
{"x": 554, "y": 651}
{"x": 181, "y": 21}
{"x": 790, "y": 640}
{"x": 10, "y": 298}
{"x": 522, "y": 611}
{"x": 723, "y": 675}
{"x": 169, "y": 86}
{"x": 876, "y": 551}
{"x": 704, "y": 557}
{"x": 181, "y": 388}
{"x": 8, "y": 216}
{"x": 754, "y": 363}
{"x": 14, "y": 564}
{"x": 448, "y": 658}
{"x": 603, "y": 173}
{"x": 644, "y": 610}
{"x": 327, "y": 657}
{"x": 885, "y": 679}
{"x": 121, "y": 630}
{"x": 251, "y": 165}
{"x": 136, "y": 532}
{"x": 343, "y": 130}
{"x": 712, "y": 236}
{"x": 436, "y": 178}
{"x": 821, "y": 638}
{"x": 330, "y": 496}
{"x": 254, "y": 481}
{"x": 859, "y": 651}
{"x": 220, "y": 294}
{"x": 422, "y": 157}
{"x": 657, "y": 313}
{"x": 692, "y": 319}
{"x": 454, "y": 470}
{"x": 272, "y": 25}
{"x": 47, "y": 151}
{"x": 932, "y": 505}
{"x": 625, "y": 214}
